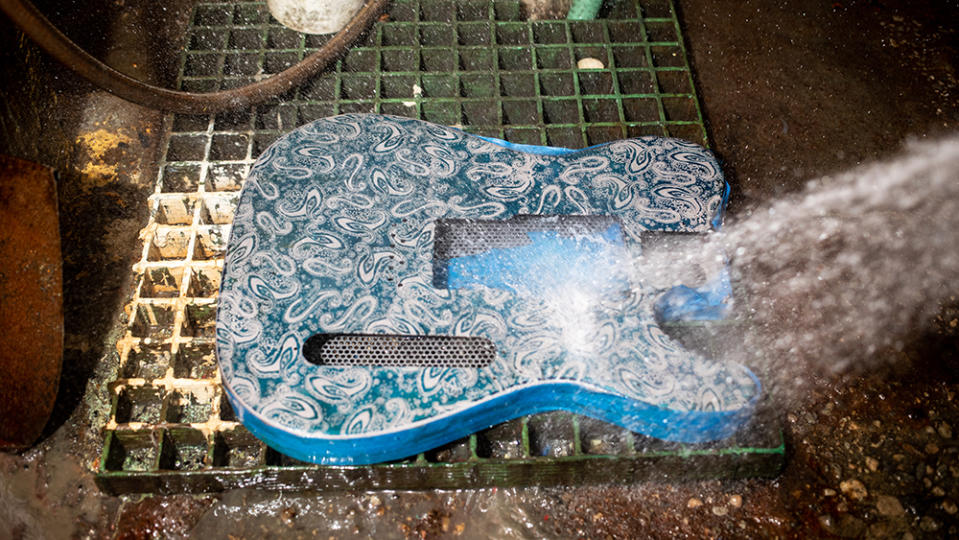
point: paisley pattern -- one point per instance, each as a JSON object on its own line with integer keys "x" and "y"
{"x": 334, "y": 234}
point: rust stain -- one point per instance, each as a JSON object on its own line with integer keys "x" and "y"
{"x": 103, "y": 149}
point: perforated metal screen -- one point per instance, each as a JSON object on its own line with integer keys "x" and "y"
{"x": 399, "y": 351}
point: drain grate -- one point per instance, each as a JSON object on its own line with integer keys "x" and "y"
{"x": 474, "y": 64}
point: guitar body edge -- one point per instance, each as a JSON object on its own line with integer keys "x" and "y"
{"x": 578, "y": 398}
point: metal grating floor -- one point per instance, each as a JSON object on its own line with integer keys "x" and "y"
{"x": 473, "y": 64}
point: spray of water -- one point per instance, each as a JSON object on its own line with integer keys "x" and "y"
{"x": 852, "y": 266}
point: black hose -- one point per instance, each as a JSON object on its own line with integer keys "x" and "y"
{"x": 59, "y": 46}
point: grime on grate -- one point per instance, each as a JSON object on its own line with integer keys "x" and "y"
{"x": 477, "y": 65}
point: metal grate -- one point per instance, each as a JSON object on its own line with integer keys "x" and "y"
{"x": 474, "y": 64}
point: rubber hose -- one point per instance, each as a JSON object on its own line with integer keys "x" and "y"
{"x": 584, "y": 10}
{"x": 56, "y": 44}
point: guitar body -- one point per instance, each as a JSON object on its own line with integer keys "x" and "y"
{"x": 392, "y": 285}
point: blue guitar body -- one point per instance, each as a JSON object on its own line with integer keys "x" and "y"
{"x": 392, "y": 285}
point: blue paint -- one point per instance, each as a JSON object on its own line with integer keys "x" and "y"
{"x": 710, "y": 302}
{"x": 662, "y": 423}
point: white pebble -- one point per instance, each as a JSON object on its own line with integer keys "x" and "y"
{"x": 590, "y": 63}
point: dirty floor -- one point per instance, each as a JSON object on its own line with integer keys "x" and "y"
{"x": 791, "y": 90}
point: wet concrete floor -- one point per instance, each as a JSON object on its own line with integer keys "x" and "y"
{"x": 791, "y": 91}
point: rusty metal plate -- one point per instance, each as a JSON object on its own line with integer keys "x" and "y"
{"x": 31, "y": 300}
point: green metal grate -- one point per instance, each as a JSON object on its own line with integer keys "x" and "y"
{"x": 472, "y": 64}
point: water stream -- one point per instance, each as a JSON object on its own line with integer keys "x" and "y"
{"x": 853, "y": 265}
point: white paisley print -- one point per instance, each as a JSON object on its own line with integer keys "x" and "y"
{"x": 334, "y": 234}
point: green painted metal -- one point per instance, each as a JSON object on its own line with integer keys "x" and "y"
{"x": 469, "y": 63}
{"x": 584, "y": 10}
{"x": 475, "y": 64}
